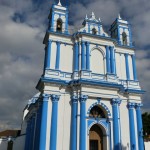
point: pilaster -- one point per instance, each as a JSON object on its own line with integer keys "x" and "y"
{"x": 82, "y": 143}
{"x": 52, "y": 22}
{"x": 82, "y": 55}
{"x": 112, "y": 60}
{"x": 127, "y": 67}
{"x": 54, "y": 120}
{"x": 76, "y": 57}
{"x": 48, "y": 55}
{"x": 43, "y": 130}
{"x": 38, "y": 127}
{"x": 57, "y": 56}
{"x": 116, "y": 125}
{"x": 134, "y": 67}
{"x": 132, "y": 126}
{"x": 139, "y": 126}
{"x": 32, "y": 132}
{"x": 87, "y": 56}
{"x": 74, "y": 115}
{"x": 107, "y": 59}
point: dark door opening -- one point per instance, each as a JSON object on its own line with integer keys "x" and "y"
{"x": 95, "y": 138}
{"x": 93, "y": 144}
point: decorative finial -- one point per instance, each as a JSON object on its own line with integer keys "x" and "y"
{"x": 119, "y": 16}
{"x": 99, "y": 19}
{"x": 86, "y": 17}
{"x": 59, "y": 3}
{"x": 93, "y": 15}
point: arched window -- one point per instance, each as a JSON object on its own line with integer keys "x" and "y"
{"x": 124, "y": 38}
{"x": 97, "y": 62}
{"x": 94, "y": 31}
{"x": 59, "y": 25}
{"x": 97, "y": 112}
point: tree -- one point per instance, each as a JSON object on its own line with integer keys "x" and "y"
{"x": 146, "y": 124}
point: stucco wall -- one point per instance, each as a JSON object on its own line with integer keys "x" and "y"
{"x": 3, "y": 144}
{"x": 147, "y": 145}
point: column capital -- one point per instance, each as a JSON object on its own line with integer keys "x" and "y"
{"x": 76, "y": 42}
{"x": 87, "y": 43}
{"x": 138, "y": 105}
{"x": 74, "y": 99}
{"x": 49, "y": 41}
{"x": 83, "y": 98}
{"x": 55, "y": 98}
{"x": 131, "y": 105}
{"x": 126, "y": 54}
{"x": 111, "y": 47}
{"x": 115, "y": 101}
{"x": 82, "y": 42}
{"x": 46, "y": 96}
{"x": 58, "y": 42}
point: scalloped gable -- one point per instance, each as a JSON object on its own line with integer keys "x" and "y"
{"x": 92, "y": 24}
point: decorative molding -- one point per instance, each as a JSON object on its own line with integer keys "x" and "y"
{"x": 93, "y": 122}
{"x": 102, "y": 105}
{"x": 55, "y": 98}
{"x": 115, "y": 101}
{"x": 131, "y": 105}
{"x": 46, "y": 97}
{"x": 74, "y": 99}
{"x": 138, "y": 105}
{"x": 83, "y": 98}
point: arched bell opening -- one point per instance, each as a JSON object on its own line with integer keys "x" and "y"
{"x": 124, "y": 38}
{"x": 59, "y": 25}
{"x": 94, "y": 31}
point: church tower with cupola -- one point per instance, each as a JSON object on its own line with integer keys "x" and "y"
{"x": 89, "y": 94}
{"x": 121, "y": 31}
{"x": 58, "y": 18}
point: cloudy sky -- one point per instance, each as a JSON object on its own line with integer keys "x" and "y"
{"x": 22, "y": 27}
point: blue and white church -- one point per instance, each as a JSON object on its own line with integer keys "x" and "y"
{"x": 89, "y": 94}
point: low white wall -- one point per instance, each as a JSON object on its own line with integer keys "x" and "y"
{"x": 19, "y": 143}
{"x": 147, "y": 145}
{"x": 3, "y": 144}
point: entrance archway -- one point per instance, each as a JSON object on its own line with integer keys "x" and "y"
{"x": 95, "y": 138}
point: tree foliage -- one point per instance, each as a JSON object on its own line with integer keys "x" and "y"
{"x": 146, "y": 124}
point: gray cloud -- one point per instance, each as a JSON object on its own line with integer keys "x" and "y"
{"x": 22, "y": 29}
{"x": 21, "y": 60}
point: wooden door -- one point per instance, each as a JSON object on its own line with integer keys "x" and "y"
{"x": 95, "y": 138}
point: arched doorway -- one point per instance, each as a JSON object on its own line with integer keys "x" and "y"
{"x": 95, "y": 138}
{"x": 96, "y": 135}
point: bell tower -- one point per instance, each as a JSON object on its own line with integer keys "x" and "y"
{"x": 58, "y": 18}
{"x": 120, "y": 30}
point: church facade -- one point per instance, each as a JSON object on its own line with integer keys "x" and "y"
{"x": 89, "y": 95}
